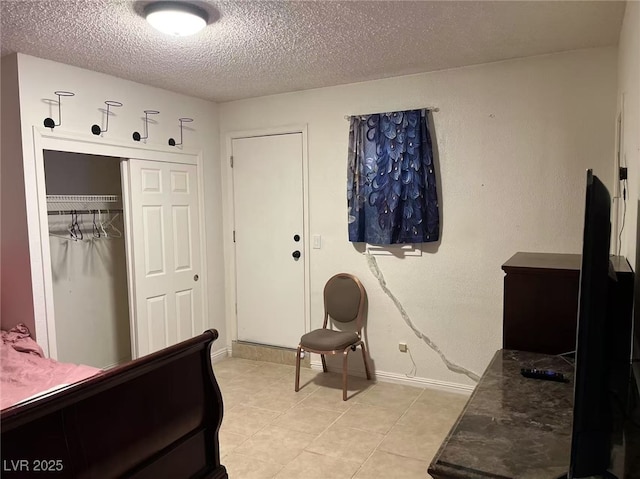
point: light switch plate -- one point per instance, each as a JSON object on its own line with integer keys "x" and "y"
{"x": 317, "y": 241}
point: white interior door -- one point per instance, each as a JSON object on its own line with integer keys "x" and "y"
{"x": 166, "y": 254}
{"x": 268, "y": 210}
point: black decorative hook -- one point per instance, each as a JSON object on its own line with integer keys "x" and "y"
{"x": 48, "y": 122}
{"x": 136, "y": 135}
{"x": 172, "y": 142}
{"x": 95, "y": 129}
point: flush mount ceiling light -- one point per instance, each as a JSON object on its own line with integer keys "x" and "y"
{"x": 176, "y": 18}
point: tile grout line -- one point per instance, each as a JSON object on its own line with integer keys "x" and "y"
{"x": 280, "y": 413}
{"x": 369, "y": 456}
{"x": 326, "y": 428}
{"x": 340, "y": 414}
{"x": 385, "y": 434}
{"x": 294, "y": 431}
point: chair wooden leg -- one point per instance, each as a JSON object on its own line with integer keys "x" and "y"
{"x": 324, "y": 363}
{"x": 298, "y": 369}
{"x": 344, "y": 374}
{"x": 366, "y": 362}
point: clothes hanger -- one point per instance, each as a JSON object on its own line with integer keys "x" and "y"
{"x": 71, "y": 229}
{"x": 76, "y": 230}
{"x": 109, "y": 224}
{"x": 104, "y": 232}
{"x": 96, "y": 230}
{"x": 67, "y": 237}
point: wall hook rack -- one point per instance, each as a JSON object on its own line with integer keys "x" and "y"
{"x": 48, "y": 122}
{"x": 136, "y": 135}
{"x": 172, "y": 142}
{"x": 95, "y": 129}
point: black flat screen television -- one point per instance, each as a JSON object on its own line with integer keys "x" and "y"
{"x": 592, "y": 411}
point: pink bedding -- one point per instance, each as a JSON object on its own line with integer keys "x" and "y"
{"x": 25, "y": 372}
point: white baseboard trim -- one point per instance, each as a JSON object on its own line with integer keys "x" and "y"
{"x": 425, "y": 383}
{"x": 220, "y": 354}
{"x": 405, "y": 380}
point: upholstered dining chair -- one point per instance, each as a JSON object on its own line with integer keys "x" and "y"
{"x": 344, "y": 301}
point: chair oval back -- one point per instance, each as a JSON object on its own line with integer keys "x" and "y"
{"x": 344, "y": 298}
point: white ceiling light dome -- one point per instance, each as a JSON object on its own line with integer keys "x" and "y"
{"x": 176, "y": 18}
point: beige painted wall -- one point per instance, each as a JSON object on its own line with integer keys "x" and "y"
{"x": 78, "y": 174}
{"x": 16, "y": 297}
{"x": 39, "y": 79}
{"x": 629, "y": 89}
{"x": 513, "y": 141}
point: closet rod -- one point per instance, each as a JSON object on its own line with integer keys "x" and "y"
{"x": 83, "y": 212}
{"x": 428, "y": 108}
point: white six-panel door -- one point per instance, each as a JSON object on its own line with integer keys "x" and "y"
{"x": 268, "y": 214}
{"x": 166, "y": 254}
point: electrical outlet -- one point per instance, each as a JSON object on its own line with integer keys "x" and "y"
{"x": 402, "y": 347}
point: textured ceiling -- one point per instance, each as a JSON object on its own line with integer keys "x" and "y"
{"x": 254, "y": 48}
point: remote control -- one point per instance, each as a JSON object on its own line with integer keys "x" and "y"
{"x": 544, "y": 374}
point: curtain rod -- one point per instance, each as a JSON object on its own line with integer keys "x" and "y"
{"x": 428, "y": 108}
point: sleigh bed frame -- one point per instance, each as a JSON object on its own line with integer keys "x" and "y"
{"x": 154, "y": 417}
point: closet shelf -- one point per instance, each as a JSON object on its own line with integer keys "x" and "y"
{"x": 83, "y": 202}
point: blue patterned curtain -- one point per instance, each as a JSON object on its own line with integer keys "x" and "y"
{"x": 391, "y": 183}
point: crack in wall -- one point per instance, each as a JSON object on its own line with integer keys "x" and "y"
{"x": 375, "y": 269}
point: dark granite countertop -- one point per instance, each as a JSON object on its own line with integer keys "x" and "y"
{"x": 512, "y": 426}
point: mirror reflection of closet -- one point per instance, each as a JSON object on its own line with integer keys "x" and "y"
{"x": 88, "y": 259}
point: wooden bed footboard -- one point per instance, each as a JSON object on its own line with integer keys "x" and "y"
{"x": 155, "y": 417}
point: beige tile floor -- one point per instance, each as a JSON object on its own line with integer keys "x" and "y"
{"x": 383, "y": 431}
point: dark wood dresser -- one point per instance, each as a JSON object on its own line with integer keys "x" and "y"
{"x": 541, "y": 300}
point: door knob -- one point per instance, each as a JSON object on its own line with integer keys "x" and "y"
{"x": 296, "y": 254}
{"x": 296, "y": 238}
{"x": 196, "y": 277}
